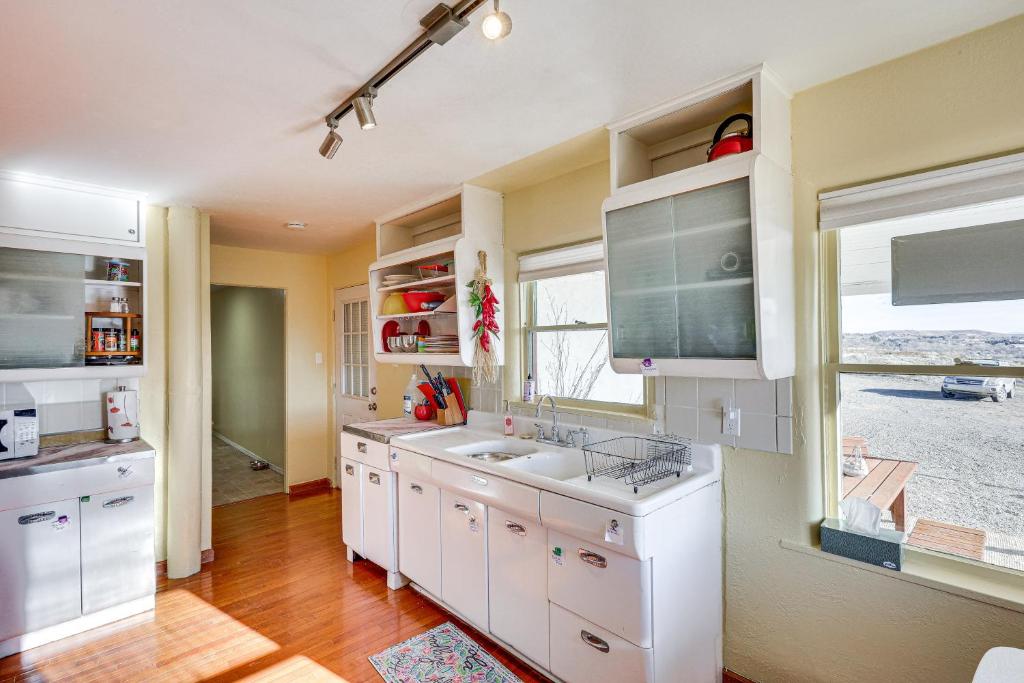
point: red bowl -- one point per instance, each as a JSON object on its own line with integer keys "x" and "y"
{"x": 429, "y": 270}
{"x": 413, "y": 300}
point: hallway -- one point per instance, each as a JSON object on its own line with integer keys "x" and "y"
{"x": 234, "y": 480}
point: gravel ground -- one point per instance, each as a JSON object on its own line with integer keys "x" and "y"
{"x": 969, "y": 453}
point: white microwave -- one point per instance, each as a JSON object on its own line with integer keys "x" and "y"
{"x": 19, "y": 433}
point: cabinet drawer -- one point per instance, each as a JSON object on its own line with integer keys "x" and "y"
{"x": 609, "y": 589}
{"x": 582, "y": 652}
{"x": 592, "y": 523}
{"x": 508, "y": 495}
{"x": 366, "y": 451}
{"x": 412, "y": 464}
{"x": 33, "y": 489}
{"x": 352, "y": 504}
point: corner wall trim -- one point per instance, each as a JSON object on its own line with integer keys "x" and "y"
{"x": 243, "y": 449}
{"x": 310, "y": 487}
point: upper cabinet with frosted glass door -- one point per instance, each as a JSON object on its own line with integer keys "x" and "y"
{"x": 699, "y": 253}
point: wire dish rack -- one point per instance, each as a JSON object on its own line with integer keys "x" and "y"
{"x": 639, "y": 460}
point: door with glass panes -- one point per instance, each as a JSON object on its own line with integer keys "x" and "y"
{"x": 355, "y": 390}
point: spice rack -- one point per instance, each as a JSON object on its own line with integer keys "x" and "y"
{"x": 126, "y": 326}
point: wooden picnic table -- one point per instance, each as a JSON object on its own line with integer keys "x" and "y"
{"x": 885, "y": 484}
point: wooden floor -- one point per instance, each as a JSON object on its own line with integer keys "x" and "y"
{"x": 278, "y": 603}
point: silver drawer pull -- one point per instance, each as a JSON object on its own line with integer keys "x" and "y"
{"x": 479, "y": 480}
{"x": 593, "y": 558}
{"x": 593, "y": 641}
{"x": 36, "y": 517}
{"x": 374, "y": 478}
{"x": 416, "y": 488}
{"x": 361, "y": 447}
{"x": 462, "y": 507}
{"x": 515, "y": 527}
{"x": 350, "y": 470}
{"x": 118, "y": 502}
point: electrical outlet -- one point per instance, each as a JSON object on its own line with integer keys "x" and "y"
{"x": 730, "y": 420}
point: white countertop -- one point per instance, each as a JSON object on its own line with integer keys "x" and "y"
{"x": 613, "y": 494}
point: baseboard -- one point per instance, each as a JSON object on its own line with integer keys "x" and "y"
{"x": 204, "y": 557}
{"x": 238, "y": 446}
{"x": 309, "y": 487}
{"x": 732, "y": 677}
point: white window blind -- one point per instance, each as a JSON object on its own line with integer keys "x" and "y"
{"x": 990, "y": 191}
{"x": 579, "y": 258}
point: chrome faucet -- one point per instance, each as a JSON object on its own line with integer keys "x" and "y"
{"x": 555, "y": 438}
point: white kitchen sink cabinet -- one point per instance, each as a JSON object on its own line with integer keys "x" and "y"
{"x": 517, "y": 566}
{"x": 419, "y": 532}
{"x": 583, "y": 652}
{"x": 352, "y": 506}
{"x": 464, "y": 557}
{"x": 117, "y": 548}
{"x": 40, "y": 567}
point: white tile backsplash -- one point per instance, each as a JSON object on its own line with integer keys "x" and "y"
{"x": 72, "y": 405}
{"x": 710, "y": 429}
{"x": 715, "y": 394}
{"x": 756, "y": 396}
{"x": 682, "y": 420}
{"x": 681, "y": 391}
{"x": 758, "y": 432}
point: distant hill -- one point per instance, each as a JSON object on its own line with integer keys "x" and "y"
{"x": 932, "y": 347}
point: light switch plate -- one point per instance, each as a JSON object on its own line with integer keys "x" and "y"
{"x": 318, "y": 358}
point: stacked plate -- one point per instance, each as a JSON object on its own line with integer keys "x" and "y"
{"x": 442, "y": 343}
{"x": 399, "y": 279}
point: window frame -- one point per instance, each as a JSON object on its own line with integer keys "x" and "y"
{"x": 833, "y": 368}
{"x": 529, "y": 330}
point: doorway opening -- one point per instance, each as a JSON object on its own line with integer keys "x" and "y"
{"x": 247, "y": 344}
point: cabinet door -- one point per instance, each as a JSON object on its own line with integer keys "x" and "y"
{"x": 117, "y": 548}
{"x": 681, "y": 275}
{"x": 40, "y": 579}
{"x": 352, "y": 504}
{"x": 464, "y": 557}
{"x": 31, "y": 206}
{"x": 419, "y": 532}
{"x": 378, "y": 517}
{"x": 517, "y": 564}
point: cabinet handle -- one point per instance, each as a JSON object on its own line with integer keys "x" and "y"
{"x": 349, "y": 469}
{"x": 479, "y": 480}
{"x": 36, "y": 517}
{"x": 374, "y": 478}
{"x": 124, "y": 471}
{"x": 515, "y": 528}
{"x": 361, "y": 447}
{"x": 593, "y": 641}
{"x": 118, "y": 502}
{"x": 593, "y": 558}
{"x": 416, "y": 488}
{"x": 461, "y": 507}
{"x": 131, "y": 231}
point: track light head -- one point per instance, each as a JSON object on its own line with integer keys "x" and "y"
{"x": 364, "y": 111}
{"x": 497, "y": 24}
{"x": 329, "y": 147}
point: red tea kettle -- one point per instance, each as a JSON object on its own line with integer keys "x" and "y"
{"x": 724, "y": 144}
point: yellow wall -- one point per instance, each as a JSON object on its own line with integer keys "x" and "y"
{"x": 792, "y": 616}
{"x": 304, "y": 278}
{"x": 247, "y": 335}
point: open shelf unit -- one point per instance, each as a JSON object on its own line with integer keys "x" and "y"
{"x": 447, "y": 229}
{"x": 675, "y": 136}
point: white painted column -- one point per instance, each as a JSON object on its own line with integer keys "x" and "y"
{"x": 184, "y": 391}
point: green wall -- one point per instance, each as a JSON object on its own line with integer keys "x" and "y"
{"x": 247, "y": 342}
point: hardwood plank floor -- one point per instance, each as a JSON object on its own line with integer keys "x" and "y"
{"x": 278, "y": 603}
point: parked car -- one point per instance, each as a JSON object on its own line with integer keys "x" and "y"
{"x": 996, "y": 388}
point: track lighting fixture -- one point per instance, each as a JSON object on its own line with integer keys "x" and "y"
{"x": 439, "y": 25}
{"x": 364, "y": 111}
{"x": 497, "y": 24}
{"x": 329, "y": 147}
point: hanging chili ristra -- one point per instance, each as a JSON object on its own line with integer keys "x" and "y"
{"x": 485, "y": 306}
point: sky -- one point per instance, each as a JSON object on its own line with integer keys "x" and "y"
{"x": 875, "y": 313}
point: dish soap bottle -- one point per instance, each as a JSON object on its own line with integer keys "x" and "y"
{"x": 528, "y": 388}
{"x": 410, "y": 391}
{"x": 510, "y": 427}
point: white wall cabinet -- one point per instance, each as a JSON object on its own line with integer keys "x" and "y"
{"x": 40, "y": 567}
{"x": 464, "y": 557}
{"x": 117, "y": 548}
{"x": 58, "y": 208}
{"x": 517, "y": 566}
{"x": 352, "y": 505}
{"x": 419, "y": 532}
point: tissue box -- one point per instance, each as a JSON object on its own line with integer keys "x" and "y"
{"x": 884, "y": 549}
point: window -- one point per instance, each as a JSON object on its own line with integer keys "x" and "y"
{"x": 924, "y": 351}
{"x": 565, "y": 328}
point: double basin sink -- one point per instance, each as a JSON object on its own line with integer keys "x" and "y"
{"x": 526, "y": 456}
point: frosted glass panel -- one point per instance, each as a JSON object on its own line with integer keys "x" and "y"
{"x": 42, "y": 309}
{"x": 681, "y": 276}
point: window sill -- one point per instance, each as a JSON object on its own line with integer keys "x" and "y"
{"x": 638, "y": 415}
{"x": 974, "y": 581}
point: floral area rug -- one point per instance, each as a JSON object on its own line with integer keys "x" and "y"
{"x": 444, "y": 653}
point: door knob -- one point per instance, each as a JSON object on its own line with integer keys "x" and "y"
{"x": 372, "y": 406}
{"x": 373, "y": 391}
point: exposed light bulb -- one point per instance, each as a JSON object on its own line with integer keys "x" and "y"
{"x": 497, "y": 24}
{"x": 329, "y": 147}
{"x": 364, "y": 112}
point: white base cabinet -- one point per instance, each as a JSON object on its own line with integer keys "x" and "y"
{"x": 582, "y": 652}
{"x": 464, "y": 557}
{"x": 517, "y": 565}
{"x": 352, "y": 505}
{"x": 379, "y": 517}
{"x": 419, "y": 532}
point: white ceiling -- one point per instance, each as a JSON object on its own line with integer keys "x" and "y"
{"x": 219, "y": 104}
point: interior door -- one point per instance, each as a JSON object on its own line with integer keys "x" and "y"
{"x": 355, "y": 390}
